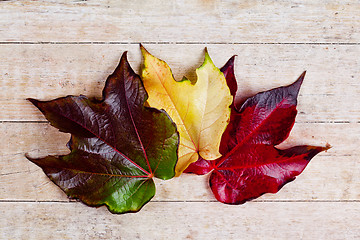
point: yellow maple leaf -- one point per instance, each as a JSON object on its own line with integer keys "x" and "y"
{"x": 200, "y": 110}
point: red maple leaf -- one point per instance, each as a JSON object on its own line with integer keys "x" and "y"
{"x": 251, "y": 164}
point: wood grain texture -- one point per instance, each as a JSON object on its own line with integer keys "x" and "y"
{"x": 186, "y": 220}
{"x": 49, "y": 49}
{"x": 323, "y": 179}
{"x": 49, "y": 71}
{"x": 180, "y": 21}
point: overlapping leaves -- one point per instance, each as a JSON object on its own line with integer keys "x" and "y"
{"x": 251, "y": 165}
{"x": 200, "y": 110}
{"x": 118, "y": 145}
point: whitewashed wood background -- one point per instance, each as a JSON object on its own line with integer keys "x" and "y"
{"x": 54, "y": 48}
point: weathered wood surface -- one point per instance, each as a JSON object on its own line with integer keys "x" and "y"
{"x": 182, "y": 21}
{"x": 53, "y": 48}
{"x": 48, "y": 71}
{"x": 183, "y": 220}
{"x": 338, "y": 170}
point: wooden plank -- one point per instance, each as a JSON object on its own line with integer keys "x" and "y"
{"x": 332, "y": 175}
{"x": 191, "y": 220}
{"x": 329, "y": 93}
{"x": 181, "y": 21}
{"x": 54, "y": 48}
{"x": 323, "y": 180}
{"x": 41, "y": 138}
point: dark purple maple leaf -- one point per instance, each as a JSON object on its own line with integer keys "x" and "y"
{"x": 117, "y": 144}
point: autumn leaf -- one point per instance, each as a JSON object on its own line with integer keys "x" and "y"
{"x": 117, "y": 145}
{"x": 229, "y": 74}
{"x": 200, "y": 110}
{"x": 251, "y": 165}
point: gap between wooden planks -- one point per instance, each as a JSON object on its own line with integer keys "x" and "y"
{"x": 329, "y": 51}
{"x": 329, "y": 92}
{"x": 49, "y": 71}
{"x": 275, "y": 42}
